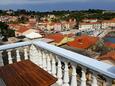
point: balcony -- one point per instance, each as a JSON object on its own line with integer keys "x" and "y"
{"x": 70, "y": 69}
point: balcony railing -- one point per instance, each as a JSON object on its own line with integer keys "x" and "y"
{"x": 70, "y": 68}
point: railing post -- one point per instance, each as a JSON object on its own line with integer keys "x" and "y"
{"x": 44, "y": 60}
{"x": 9, "y": 57}
{"x": 48, "y": 63}
{"x": 59, "y": 72}
{"x": 108, "y": 82}
{"x": 94, "y": 81}
{"x": 40, "y": 58}
{"x": 74, "y": 76}
{"x": 53, "y": 69}
{"x": 66, "y": 75}
{"x": 83, "y": 78}
{"x": 18, "y": 55}
{"x": 25, "y": 53}
{"x": 1, "y": 60}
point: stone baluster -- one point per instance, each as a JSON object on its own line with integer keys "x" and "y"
{"x": 66, "y": 75}
{"x": 44, "y": 60}
{"x": 59, "y": 73}
{"x": 48, "y": 63}
{"x": 83, "y": 77}
{"x": 108, "y": 82}
{"x": 9, "y": 57}
{"x": 31, "y": 52}
{"x": 74, "y": 76}
{"x": 34, "y": 55}
{"x": 25, "y": 53}
{"x": 18, "y": 55}
{"x": 40, "y": 58}
{"x": 1, "y": 60}
{"x": 53, "y": 69}
{"x": 94, "y": 81}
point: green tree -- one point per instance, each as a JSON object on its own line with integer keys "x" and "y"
{"x": 78, "y": 16}
{"x": 23, "y": 19}
{"x": 5, "y": 32}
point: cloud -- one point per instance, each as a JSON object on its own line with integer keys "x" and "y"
{"x": 7, "y": 2}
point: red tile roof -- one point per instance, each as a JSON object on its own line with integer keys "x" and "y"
{"x": 83, "y": 42}
{"x": 56, "y": 37}
{"x": 109, "y": 21}
{"x": 22, "y": 29}
{"x": 110, "y": 55}
{"x": 109, "y": 44}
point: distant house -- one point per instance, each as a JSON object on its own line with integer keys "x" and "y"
{"x": 21, "y": 29}
{"x": 83, "y": 42}
{"x": 108, "y": 23}
{"x": 58, "y": 27}
{"x": 94, "y": 24}
{"x": 66, "y": 25}
{"x": 53, "y": 26}
{"x": 89, "y": 25}
{"x": 25, "y": 31}
{"x": 50, "y": 26}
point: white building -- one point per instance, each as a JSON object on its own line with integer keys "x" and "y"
{"x": 89, "y": 26}
{"x": 96, "y": 25}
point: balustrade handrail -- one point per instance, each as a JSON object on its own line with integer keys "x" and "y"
{"x": 97, "y": 66}
{"x": 14, "y": 45}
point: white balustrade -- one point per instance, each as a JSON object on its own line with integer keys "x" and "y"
{"x": 9, "y": 56}
{"x": 1, "y": 60}
{"x": 74, "y": 76}
{"x": 49, "y": 58}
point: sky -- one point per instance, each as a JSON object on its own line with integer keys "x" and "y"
{"x": 49, "y": 5}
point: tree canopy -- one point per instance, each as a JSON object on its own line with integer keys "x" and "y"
{"x": 5, "y": 32}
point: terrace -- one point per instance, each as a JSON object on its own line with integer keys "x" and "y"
{"x": 69, "y": 68}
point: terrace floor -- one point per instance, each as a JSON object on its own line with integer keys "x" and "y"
{"x": 25, "y": 73}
